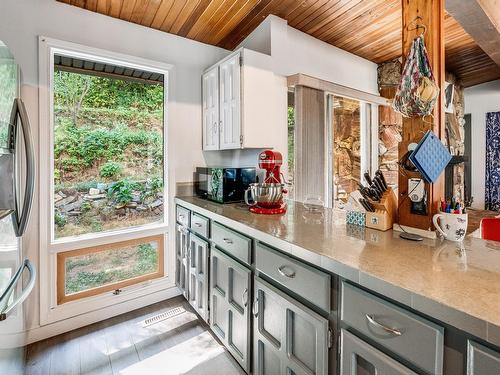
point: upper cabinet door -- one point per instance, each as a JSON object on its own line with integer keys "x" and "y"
{"x": 230, "y": 103}
{"x": 210, "y": 83}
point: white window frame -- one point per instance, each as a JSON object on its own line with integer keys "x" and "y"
{"x": 50, "y": 311}
{"x": 369, "y": 129}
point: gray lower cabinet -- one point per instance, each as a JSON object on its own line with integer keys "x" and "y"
{"x": 289, "y": 338}
{"x": 482, "y": 360}
{"x": 198, "y": 275}
{"x": 358, "y": 357}
{"x": 181, "y": 259}
{"x": 229, "y": 305}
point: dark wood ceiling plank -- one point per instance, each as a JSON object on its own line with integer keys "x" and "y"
{"x": 150, "y": 12}
{"x": 183, "y": 16}
{"x": 304, "y": 18}
{"x": 193, "y": 17}
{"x": 207, "y": 31}
{"x": 103, "y": 6}
{"x": 205, "y": 17}
{"x": 139, "y": 11}
{"x": 91, "y": 5}
{"x": 320, "y": 23}
{"x": 161, "y": 13}
{"x": 172, "y": 15}
{"x": 127, "y": 9}
{"x": 231, "y": 23}
{"x": 115, "y": 8}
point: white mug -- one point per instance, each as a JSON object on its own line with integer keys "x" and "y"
{"x": 452, "y": 226}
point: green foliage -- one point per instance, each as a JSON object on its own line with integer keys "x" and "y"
{"x": 85, "y": 206}
{"x": 59, "y": 219}
{"x": 100, "y": 92}
{"x": 110, "y": 169}
{"x": 152, "y": 187}
{"x": 85, "y": 186}
{"x": 122, "y": 191}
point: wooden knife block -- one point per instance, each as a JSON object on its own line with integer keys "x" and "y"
{"x": 385, "y": 212}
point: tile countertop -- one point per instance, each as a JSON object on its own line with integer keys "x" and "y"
{"x": 458, "y": 284}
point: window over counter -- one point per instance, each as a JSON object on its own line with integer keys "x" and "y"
{"x": 104, "y": 187}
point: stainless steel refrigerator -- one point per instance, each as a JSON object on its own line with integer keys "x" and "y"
{"x": 17, "y": 273}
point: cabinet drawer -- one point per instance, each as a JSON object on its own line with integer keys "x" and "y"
{"x": 182, "y": 215}
{"x": 356, "y": 356}
{"x": 306, "y": 281}
{"x": 200, "y": 224}
{"x": 482, "y": 360}
{"x": 232, "y": 242}
{"x": 408, "y": 335}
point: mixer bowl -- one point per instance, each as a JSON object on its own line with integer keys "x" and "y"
{"x": 265, "y": 195}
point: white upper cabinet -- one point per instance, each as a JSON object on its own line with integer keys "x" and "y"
{"x": 239, "y": 102}
{"x": 211, "y": 109}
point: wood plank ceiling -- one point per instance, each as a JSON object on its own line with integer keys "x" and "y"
{"x": 367, "y": 28}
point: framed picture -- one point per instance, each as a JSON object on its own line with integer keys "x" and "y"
{"x": 449, "y": 91}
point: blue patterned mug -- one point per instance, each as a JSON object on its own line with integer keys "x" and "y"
{"x": 453, "y": 227}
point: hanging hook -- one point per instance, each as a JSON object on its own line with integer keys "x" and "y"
{"x": 416, "y": 25}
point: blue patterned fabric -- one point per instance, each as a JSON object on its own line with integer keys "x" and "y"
{"x": 492, "y": 196}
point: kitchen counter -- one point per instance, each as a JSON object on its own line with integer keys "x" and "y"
{"x": 458, "y": 284}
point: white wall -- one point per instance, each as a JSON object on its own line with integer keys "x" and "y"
{"x": 296, "y": 52}
{"x": 21, "y": 21}
{"x": 479, "y": 100}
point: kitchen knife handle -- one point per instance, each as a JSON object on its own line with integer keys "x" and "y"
{"x": 368, "y": 178}
{"x": 382, "y": 178}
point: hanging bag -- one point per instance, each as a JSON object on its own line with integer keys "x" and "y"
{"x": 417, "y": 91}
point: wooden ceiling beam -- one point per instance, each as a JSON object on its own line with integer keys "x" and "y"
{"x": 478, "y": 24}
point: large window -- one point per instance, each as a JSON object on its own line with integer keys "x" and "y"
{"x": 103, "y": 180}
{"x": 108, "y": 150}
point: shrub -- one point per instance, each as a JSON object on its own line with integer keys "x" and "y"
{"x": 153, "y": 186}
{"x": 59, "y": 219}
{"x": 85, "y": 206}
{"x": 85, "y": 186}
{"x": 122, "y": 191}
{"x": 110, "y": 169}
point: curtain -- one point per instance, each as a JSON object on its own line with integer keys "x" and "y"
{"x": 492, "y": 188}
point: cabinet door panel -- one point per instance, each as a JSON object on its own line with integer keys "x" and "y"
{"x": 358, "y": 357}
{"x": 210, "y": 83}
{"x": 198, "y": 277}
{"x": 482, "y": 360}
{"x": 229, "y": 103}
{"x": 229, "y": 313}
{"x": 287, "y": 334}
{"x": 181, "y": 260}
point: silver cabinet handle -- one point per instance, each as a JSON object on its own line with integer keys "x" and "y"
{"x": 181, "y": 217}
{"x": 21, "y": 221}
{"x": 390, "y": 330}
{"x": 5, "y": 308}
{"x": 255, "y": 307}
{"x": 244, "y": 297}
{"x": 290, "y": 275}
{"x": 198, "y": 225}
{"x": 227, "y": 240}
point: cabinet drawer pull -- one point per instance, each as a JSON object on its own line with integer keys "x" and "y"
{"x": 290, "y": 275}
{"x": 197, "y": 225}
{"x": 255, "y": 308}
{"x": 181, "y": 217}
{"x": 227, "y": 240}
{"x": 390, "y": 330}
{"x": 244, "y": 297}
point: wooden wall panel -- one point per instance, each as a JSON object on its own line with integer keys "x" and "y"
{"x": 368, "y": 28}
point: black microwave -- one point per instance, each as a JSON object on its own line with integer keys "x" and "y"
{"x": 223, "y": 185}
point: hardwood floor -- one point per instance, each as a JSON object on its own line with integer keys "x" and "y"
{"x": 182, "y": 344}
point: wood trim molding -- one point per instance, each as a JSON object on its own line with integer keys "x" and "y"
{"x": 62, "y": 256}
{"x": 334, "y": 88}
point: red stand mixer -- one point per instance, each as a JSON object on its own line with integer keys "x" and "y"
{"x": 267, "y": 197}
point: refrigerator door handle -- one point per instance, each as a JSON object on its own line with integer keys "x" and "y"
{"x": 5, "y": 308}
{"x": 21, "y": 221}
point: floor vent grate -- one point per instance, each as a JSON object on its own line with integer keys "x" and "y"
{"x": 163, "y": 316}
